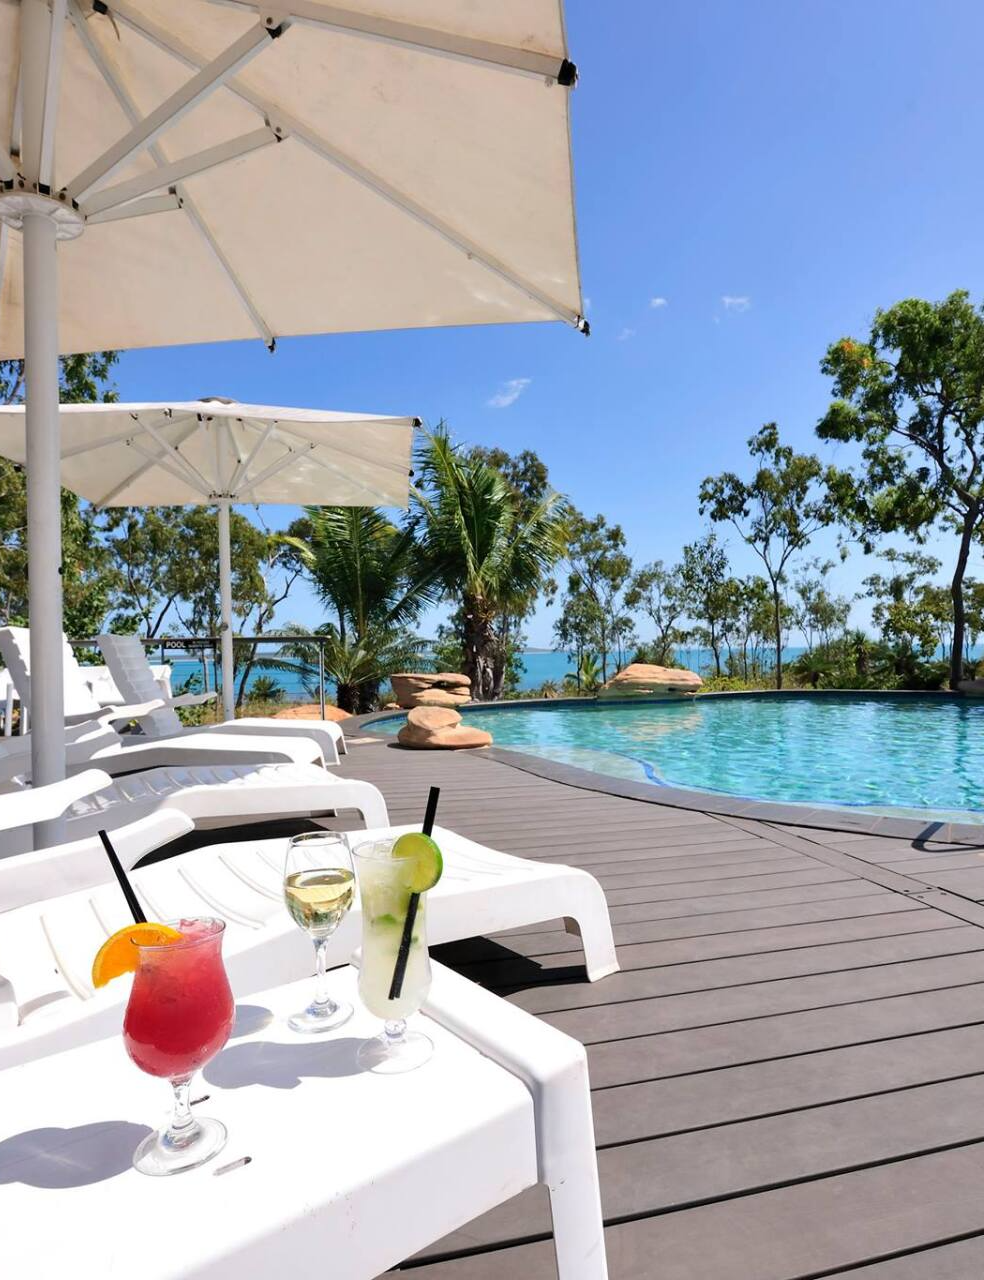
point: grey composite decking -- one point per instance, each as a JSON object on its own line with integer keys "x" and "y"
{"x": 788, "y": 1071}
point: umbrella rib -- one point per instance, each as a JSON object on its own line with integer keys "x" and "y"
{"x": 91, "y": 445}
{"x": 209, "y": 77}
{"x": 141, "y": 471}
{"x": 165, "y": 463}
{"x": 247, "y": 462}
{"x": 173, "y": 451}
{"x": 346, "y": 452}
{"x": 288, "y": 459}
{"x": 428, "y": 39}
{"x": 203, "y": 229}
{"x": 178, "y": 49}
{"x": 376, "y": 496}
{"x": 49, "y": 115}
{"x": 168, "y": 174}
{"x": 159, "y": 157}
{"x": 168, "y": 203}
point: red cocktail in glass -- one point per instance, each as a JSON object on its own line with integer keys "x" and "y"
{"x": 178, "y": 1017}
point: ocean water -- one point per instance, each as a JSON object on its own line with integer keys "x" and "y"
{"x": 538, "y": 668}
{"x": 906, "y": 754}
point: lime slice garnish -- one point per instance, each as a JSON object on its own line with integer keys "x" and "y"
{"x": 423, "y": 859}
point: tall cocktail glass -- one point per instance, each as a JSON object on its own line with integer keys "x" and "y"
{"x": 179, "y": 1016}
{"x": 385, "y": 899}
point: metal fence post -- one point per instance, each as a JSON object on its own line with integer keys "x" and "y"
{"x": 321, "y": 675}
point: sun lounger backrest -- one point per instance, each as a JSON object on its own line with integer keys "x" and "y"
{"x": 15, "y": 645}
{"x": 132, "y": 674}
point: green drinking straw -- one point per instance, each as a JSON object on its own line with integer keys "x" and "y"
{"x": 403, "y": 955}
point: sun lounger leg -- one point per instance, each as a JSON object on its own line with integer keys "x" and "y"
{"x": 579, "y": 1233}
{"x": 586, "y": 916}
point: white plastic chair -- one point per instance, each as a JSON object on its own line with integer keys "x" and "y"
{"x": 127, "y": 659}
{"x": 117, "y": 753}
{"x": 214, "y": 796}
{"x": 46, "y": 948}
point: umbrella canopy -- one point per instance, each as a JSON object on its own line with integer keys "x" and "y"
{"x": 217, "y": 451}
{"x": 335, "y": 167}
{"x": 218, "y": 169}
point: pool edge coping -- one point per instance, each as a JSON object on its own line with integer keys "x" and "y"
{"x": 816, "y": 817}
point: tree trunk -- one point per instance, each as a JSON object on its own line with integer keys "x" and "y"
{"x": 956, "y": 594}
{"x": 479, "y": 648}
{"x": 777, "y": 614}
{"x": 346, "y": 696}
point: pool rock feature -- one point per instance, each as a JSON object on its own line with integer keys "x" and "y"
{"x": 427, "y": 689}
{"x": 643, "y": 680}
{"x": 440, "y": 729}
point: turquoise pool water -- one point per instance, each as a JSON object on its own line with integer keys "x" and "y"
{"x": 905, "y": 755}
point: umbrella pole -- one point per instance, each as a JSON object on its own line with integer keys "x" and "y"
{"x": 43, "y": 437}
{"x": 225, "y": 595}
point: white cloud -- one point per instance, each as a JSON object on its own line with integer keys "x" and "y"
{"x": 587, "y": 305}
{"x": 624, "y": 335}
{"x": 658, "y": 302}
{"x": 508, "y": 393}
{"x": 731, "y": 302}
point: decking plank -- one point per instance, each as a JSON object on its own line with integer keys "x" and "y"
{"x": 777, "y": 1021}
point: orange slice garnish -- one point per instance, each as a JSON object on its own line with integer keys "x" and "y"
{"x": 118, "y": 954}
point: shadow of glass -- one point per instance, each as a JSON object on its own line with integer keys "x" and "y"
{"x": 78, "y": 1157}
{"x": 250, "y": 1018}
{"x": 283, "y": 1066}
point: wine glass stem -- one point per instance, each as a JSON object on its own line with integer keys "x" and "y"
{"x": 321, "y": 996}
{"x": 395, "y": 1032}
{"x": 183, "y": 1123}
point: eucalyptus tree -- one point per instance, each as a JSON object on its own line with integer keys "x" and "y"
{"x": 489, "y": 551}
{"x": 776, "y": 512}
{"x": 912, "y": 396}
{"x": 599, "y": 573}
{"x": 819, "y": 614}
{"x": 707, "y": 591}
{"x": 657, "y": 591}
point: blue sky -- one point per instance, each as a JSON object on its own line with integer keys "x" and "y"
{"x": 753, "y": 180}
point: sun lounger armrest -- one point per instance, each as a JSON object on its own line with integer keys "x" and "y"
{"x": 190, "y": 699}
{"x": 25, "y": 807}
{"x": 133, "y": 712}
{"x": 551, "y": 1064}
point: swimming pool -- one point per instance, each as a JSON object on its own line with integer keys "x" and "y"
{"x": 905, "y": 755}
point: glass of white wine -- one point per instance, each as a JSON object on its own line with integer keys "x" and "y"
{"x": 319, "y": 885}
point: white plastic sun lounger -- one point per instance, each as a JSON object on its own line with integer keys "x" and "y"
{"x": 118, "y": 754}
{"x": 134, "y": 677}
{"x": 213, "y": 796}
{"x": 46, "y": 948}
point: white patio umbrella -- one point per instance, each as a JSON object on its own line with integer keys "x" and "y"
{"x": 217, "y": 451}
{"x": 220, "y": 169}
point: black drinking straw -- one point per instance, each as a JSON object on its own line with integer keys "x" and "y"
{"x": 403, "y": 955}
{"x": 125, "y": 885}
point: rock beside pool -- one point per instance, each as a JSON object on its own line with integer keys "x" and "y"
{"x": 440, "y": 729}
{"x": 643, "y": 680}
{"x": 311, "y": 711}
{"x": 430, "y": 689}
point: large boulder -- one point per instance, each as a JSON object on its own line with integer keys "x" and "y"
{"x": 643, "y": 680}
{"x": 428, "y": 688}
{"x": 311, "y": 711}
{"x": 440, "y": 728}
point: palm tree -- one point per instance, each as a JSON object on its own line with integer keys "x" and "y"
{"x": 368, "y": 572}
{"x": 489, "y": 552}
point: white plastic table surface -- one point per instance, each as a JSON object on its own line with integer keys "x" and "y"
{"x": 350, "y": 1173}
